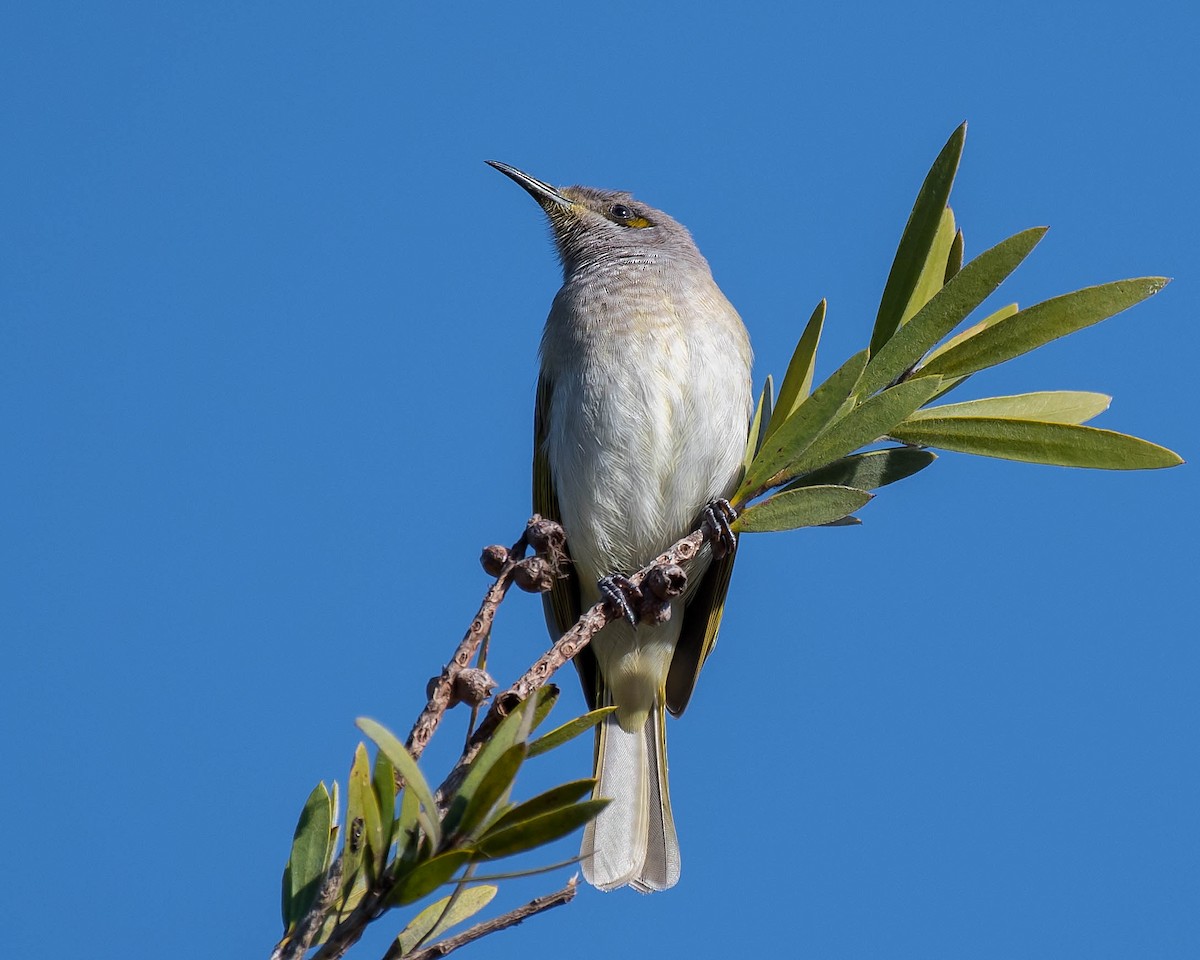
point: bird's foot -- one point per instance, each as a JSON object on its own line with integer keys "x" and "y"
{"x": 620, "y": 593}
{"x": 718, "y": 517}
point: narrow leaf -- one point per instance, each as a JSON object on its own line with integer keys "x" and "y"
{"x": 427, "y": 876}
{"x": 1052, "y": 406}
{"x": 801, "y": 507}
{"x": 866, "y": 423}
{"x": 407, "y": 767}
{"x": 843, "y": 522}
{"x": 758, "y": 426}
{"x": 989, "y": 321}
{"x": 374, "y": 830}
{"x": 383, "y": 781}
{"x": 312, "y": 851}
{"x": 543, "y": 702}
{"x": 918, "y": 237}
{"x": 800, "y": 429}
{"x": 502, "y": 740}
{"x": 443, "y": 914}
{"x": 539, "y": 830}
{"x": 954, "y": 259}
{"x": 947, "y": 385}
{"x": 505, "y": 736}
{"x": 1043, "y": 322}
{"x": 568, "y": 731}
{"x": 407, "y": 847}
{"x": 1062, "y": 444}
{"x": 355, "y": 845}
{"x": 797, "y": 382}
{"x": 868, "y": 471}
{"x": 492, "y": 788}
{"x": 933, "y": 273}
{"x": 350, "y": 898}
{"x": 952, "y": 304}
{"x": 560, "y": 796}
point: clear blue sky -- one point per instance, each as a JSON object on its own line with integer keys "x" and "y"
{"x": 267, "y": 349}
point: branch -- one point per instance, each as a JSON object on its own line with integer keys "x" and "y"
{"x": 441, "y": 688}
{"x": 502, "y": 922}
{"x": 579, "y": 636}
{"x": 565, "y": 648}
{"x": 535, "y": 574}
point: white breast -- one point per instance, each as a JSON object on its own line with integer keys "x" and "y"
{"x": 648, "y": 420}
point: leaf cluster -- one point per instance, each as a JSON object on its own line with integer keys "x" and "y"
{"x": 806, "y": 460}
{"x": 398, "y": 841}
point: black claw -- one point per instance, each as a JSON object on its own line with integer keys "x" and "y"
{"x": 619, "y": 593}
{"x": 718, "y": 515}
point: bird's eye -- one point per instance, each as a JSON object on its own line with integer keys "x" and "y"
{"x": 628, "y": 216}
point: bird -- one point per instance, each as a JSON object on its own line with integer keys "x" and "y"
{"x": 641, "y": 419}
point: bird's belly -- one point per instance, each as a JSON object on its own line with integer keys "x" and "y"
{"x": 638, "y": 445}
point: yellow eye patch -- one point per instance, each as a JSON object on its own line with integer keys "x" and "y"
{"x": 627, "y": 216}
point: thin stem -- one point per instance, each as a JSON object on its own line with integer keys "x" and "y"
{"x": 502, "y": 922}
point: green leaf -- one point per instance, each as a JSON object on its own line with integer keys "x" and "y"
{"x": 537, "y": 831}
{"x": 1043, "y": 322}
{"x": 312, "y": 851}
{"x": 868, "y": 471}
{"x": 800, "y": 429}
{"x": 801, "y": 507}
{"x": 443, "y": 914}
{"x": 543, "y": 702}
{"x": 356, "y": 841}
{"x": 519, "y": 724}
{"x": 407, "y": 845}
{"x": 758, "y": 426}
{"x": 954, "y": 259}
{"x": 427, "y": 876}
{"x": 843, "y": 522}
{"x": 952, "y": 304}
{"x": 506, "y": 735}
{"x": 917, "y": 239}
{"x": 560, "y": 796}
{"x": 407, "y": 767}
{"x": 373, "y": 833}
{"x": 1062, "y": 444}
{"x": 350, "y": 898}
{"x": 1051, "y": 406}
{"x": 568, "y": 731}
{"x": 797, "y": 382}
{"x": 478, "y": 804}
{"x": 866, "y": 423}
{"x": 384, "y": 783}
{"x": 933, "y": 273}
{"x": 989, "y": 321}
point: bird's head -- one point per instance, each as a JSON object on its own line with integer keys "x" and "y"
{"x": 593, "y": 226}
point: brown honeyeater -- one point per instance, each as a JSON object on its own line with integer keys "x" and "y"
{"x": 642, "y": 413}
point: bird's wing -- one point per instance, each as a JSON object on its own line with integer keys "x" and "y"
{"x": 561, "y": 605}
{"x": 698, "y": 633}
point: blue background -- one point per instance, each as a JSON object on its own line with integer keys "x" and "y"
{"x": 267, "y": 349}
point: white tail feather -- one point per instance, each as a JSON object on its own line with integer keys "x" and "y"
{"x": 633, "y": 839}
{"x": 661, "y": 868}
